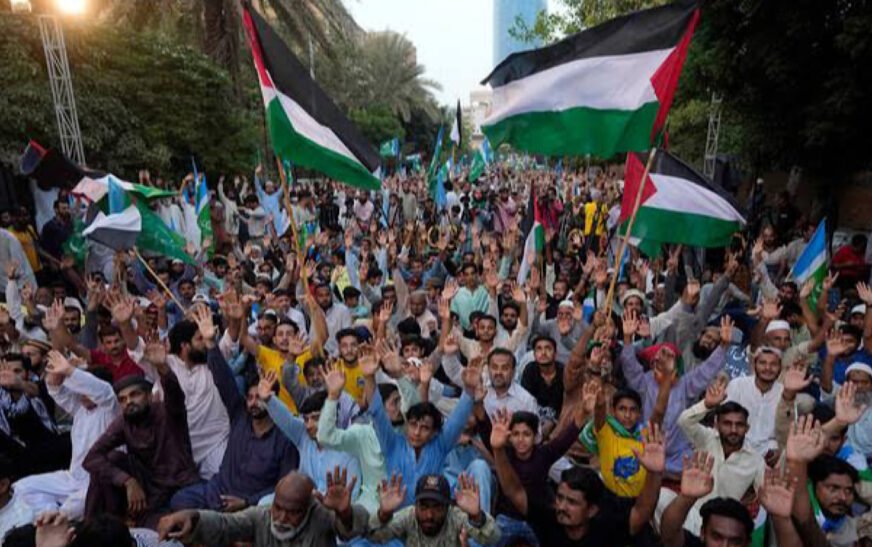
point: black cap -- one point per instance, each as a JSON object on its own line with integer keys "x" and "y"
{"x": 434, "y": 488}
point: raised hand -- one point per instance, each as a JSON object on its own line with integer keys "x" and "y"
{"x": 804, "y": 440}
{"x": 265, "y": 387}
{"x": 726, "y": 330}
{"x": 776, "y": 495}
{"x": 202, "y": 315}
{"x": 444, "y": 308}
{"x": 771, "y": 309}
{"x": 232, "y": 306}
{"x": 391, "y": 494}
{"x": 807, "y": 289}
{"x": 696, "y": 475}
{"x": 865, "y": 293}
{"x": 590, "y": 393}
{"x": 297, "y": 344}
{"x": 631, "y": 324}
{"x": 450, "y": 289}
{"x": 653, "y": 455}
{"x": 156, "y": 354}
{"x": 339, "y": 489}
{"x": 716, "y": 393}
{"x": 518, "y": 294}
{"x": 122, "y": 307}
{"x": 848, "y": 410}
{"x": 830, "y": 280}
{"x": 795, "y": 379}
{"x": 467, "y": 496}
{"x": 835, "y": 346}
{"x": 450, "y": 346}
{"x": 53, "y": 529}
{"x": 367, "y": 360}
{"x": 500, "y": 428}
{"x": 691, "y": 292}
{"x": 666, "y": 379}
{"x": 334, "y": 379}
{"x": 426, "y": 371}
{"x": 58, "y": 364}
{"x": 53, "y": 316}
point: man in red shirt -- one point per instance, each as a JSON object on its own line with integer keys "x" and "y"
{"x": 116, "y": 342}
{"x": 850, "y": 262}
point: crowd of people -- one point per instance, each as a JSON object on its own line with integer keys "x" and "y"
{"x": 340, "y": 366}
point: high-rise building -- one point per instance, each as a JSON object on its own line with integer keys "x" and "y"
{"x": 505, "y": 13}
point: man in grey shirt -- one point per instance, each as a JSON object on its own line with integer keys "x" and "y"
{"x": 296, "y": 517}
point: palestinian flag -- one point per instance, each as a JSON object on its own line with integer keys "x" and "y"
{"x": 535, "y": 237}
{"x": 304, "y": 124}
{"x": 602, "y": 91}
{"x": 121, "y": 227}
{"x": 124, "y": 220}
{"x": 678, "y": 205}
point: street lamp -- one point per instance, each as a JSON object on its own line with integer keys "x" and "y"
{"x": 59, "y": 78}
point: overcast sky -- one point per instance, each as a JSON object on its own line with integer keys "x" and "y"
{"x": 453, "y": 37}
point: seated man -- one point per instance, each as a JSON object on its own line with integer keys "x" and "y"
{"x": 296, "y": 517}
{"x": 158, "y": 461}
{"x": 89, "y": 398}
{"x": 433, "y": 519}
{"x": 257, "y": 454}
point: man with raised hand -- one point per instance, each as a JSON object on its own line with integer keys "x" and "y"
{"x": 433, "y": 519}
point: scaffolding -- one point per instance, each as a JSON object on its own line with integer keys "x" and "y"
{"x": 711, "y": 142}
{"x": 61, "y": 88}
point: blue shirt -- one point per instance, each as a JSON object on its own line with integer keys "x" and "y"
{"x": 399, "y": 454}
{"x": 842, "y": 363}
{"x": 314, "y": 461}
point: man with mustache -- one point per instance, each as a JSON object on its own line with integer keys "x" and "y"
{"x": 737, "y": 466}
{"x": 158, "y": 461}
{"x": 257, "y": 453}
{"x": 760, "y": 394}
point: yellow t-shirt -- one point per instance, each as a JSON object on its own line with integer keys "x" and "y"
{"x": 28, "y": 245}
{"x": 354, "y": 381}
{"x": 270, "y": 359}
{"x": 590, "y": 213}
{"x": 622, "y": 473}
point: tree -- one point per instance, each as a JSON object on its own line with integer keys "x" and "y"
{"x": 377, "y": 124}
{"x": 143, "y": 102}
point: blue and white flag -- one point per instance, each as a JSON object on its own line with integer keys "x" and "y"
{"x": 812, "y": 263}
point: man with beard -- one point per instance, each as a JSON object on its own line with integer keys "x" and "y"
{"x": 759, "y": 395}
{"x": 433, "y": 520}
{"x": 56, "y": 231}
{"x": 665, "y": 360}
{"x": 336, "y": 316}
{"x": 140, "y": 482}
{"x": 565, "y": 329}
{"x": 257, "y": 454}
{"x": 854, "y": 408}
{"x": 544, "y": 381}
{"x": 88, "y": 397}
{"x": 296, "y": 517}
{"x": 512, "y": 327}
{"x": 504, "y": 392}
{"x": 737, "y": 467}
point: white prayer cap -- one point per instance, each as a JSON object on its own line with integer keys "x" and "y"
{"x": 767, "y": 349}
{"x": 862, "y": 367}
{"x": 566, "y": 304}
{"x": 859, "y": 308}
{"x": 778, "y": 324}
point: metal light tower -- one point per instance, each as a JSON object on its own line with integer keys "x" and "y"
{"x": 61, "y": 88}
{"x": 711, "y": 142}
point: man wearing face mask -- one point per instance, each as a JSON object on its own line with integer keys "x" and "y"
{"x": 297, "y": 516}
{"x": 140, "y": 482}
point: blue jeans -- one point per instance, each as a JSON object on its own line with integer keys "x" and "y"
{"x": 203, "y": 495}
{"x": 512, "y": 529}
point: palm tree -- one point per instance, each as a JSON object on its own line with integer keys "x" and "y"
{"x": 215, "y": 25}
{"x": 395, "y": 79}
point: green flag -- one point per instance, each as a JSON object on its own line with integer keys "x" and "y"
{"x": 434, "y": 165}
{"x": 157, "y": 238}
{"x": 477, "y": 167}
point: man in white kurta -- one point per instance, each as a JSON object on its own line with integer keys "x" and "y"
{"x": 90, "y": 400}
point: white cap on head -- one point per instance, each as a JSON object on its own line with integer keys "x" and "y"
{"x": 767, "y": 349}
{"x": 566, "y": 304}
{"x": 778, "y": 324}
{"x": 859, "y": 308}
{"x": 858, "y": 366}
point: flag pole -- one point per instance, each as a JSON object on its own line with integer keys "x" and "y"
{"x": 293, "y": 226}
{"x": 623, "y": 247}
{"x": 159, "y": 282}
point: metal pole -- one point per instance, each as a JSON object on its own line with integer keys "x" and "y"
{"x": 61, "y": 83}
{"x": 711, "y": 142}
